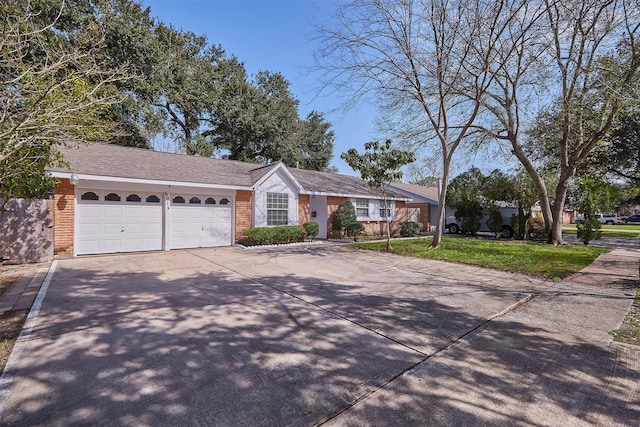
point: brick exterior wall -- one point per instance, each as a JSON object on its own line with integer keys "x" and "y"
{"x": 304, "y": 208}
{"x": 332, "y": 204}
{"x": 425, "y": 214}
{"x": 244, "y": 212}
{"x": 373, "y": 229}
{"x": 63, "y": 217}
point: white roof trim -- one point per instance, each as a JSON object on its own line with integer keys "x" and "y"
{"x": 147, "y": 181}
{"x": 272, "y": 171}
{"x": 353, "y": 196}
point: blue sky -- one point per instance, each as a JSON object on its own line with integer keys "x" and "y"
{"x": 274, "y": 35}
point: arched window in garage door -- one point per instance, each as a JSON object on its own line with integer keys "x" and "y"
{"x": 89, "y": 195}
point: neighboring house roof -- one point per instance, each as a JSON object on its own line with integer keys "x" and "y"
{"x": 114, "y": 161}
{"x": 419, "y": 193}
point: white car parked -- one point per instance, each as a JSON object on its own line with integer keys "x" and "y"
{"x": 608, "y": 218}
{"x": 604, "y": 218}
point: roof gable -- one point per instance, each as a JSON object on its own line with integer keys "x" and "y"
{"x": 262, "y": 174}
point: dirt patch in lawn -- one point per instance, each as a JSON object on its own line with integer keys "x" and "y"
{"x": 10, "y": 322}
{"x": 10, "y": 326}
{"x": 629, "y": 332}
{"x": 6, "y": 281}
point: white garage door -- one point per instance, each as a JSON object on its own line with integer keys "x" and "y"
{"x": 117, "y": 221}
{"x": 199, "y": 221}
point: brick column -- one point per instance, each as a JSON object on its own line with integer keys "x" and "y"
{"x": 63, "y": 217}
{"x": 304, "y": 208}
{"x": 244, "y": 212}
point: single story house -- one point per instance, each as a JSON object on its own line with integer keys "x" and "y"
{"x": 120, "y": 199}
{"x": 423, "y": 198}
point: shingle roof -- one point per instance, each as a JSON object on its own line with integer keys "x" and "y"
{"x": 137, "y": 163}
{"x": 423, "y": 192}
{"x": 333, "y": 183}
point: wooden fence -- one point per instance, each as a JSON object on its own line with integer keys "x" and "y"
{"x": 26, "y": 231}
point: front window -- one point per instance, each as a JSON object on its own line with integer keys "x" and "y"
{"x": 277, "y": 209}
{"x": 362, "y": 208}
{"x": 385, "y": 210}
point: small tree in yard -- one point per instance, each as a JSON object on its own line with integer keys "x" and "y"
{"x": 465, "y": 196}
{"x": 593, "y": 195}
{"x": 343, "y": 217}
{"x": 494, "y": 223}
{"x": 379, "y": 166}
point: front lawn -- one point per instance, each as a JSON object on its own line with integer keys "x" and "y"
{"x": 622, "y": 230}
{"x": 526, "y": 257}
{"x": 608, "y": 233}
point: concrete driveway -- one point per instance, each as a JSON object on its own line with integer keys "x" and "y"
{"x": 325, "y": 335}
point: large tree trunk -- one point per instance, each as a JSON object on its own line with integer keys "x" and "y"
{"x": 541, "y": 187}
{"x": 566, "y": 175}
{"x": 442, "y": 198}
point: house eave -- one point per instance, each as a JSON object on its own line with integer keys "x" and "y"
{"x": 102, "y": 178}
{"x": 353, "y": 196}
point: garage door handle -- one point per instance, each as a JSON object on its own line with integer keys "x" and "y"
{"x": 122, "y": 229}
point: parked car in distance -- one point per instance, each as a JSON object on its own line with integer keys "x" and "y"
{"x": 453, "y": 225}
{"x": 608, "y": 218}
{"x": 603, "y": 218}
{"x": 632, "y": 218}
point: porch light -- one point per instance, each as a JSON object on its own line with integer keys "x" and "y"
{"x": 74, "y": 179}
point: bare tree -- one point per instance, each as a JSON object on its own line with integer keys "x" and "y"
{"x": 445, "y": 70}
{"x": 51, "y": 93}
{"x": 580, "y": 55}
{"x": 426, "y": 62}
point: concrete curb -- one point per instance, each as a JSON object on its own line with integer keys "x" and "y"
{"x": 9, "y": 373}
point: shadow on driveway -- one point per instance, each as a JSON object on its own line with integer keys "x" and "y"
{"x": 174, "y": 339}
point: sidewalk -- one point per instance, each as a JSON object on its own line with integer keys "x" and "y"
{"x": 22, "y": 293}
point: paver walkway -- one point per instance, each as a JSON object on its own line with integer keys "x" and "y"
{"x": 21, "y": 294}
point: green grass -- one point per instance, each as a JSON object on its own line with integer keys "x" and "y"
{"x": 526, "y": 257}
{"x": 629, "y": 228}
{"x": 629, "y": 331}
{"x": 608, "y": 233}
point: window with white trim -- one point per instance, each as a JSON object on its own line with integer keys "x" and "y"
{"x": 362, "y": 208}
{"x": 277, "y": 208}
{"x": 388, "y": 211}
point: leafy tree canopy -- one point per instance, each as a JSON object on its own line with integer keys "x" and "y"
{"x": 77, "y": 71}
{"x": 56, "y": 88}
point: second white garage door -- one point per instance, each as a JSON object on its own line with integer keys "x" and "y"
{"x": 199, "y": 221}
